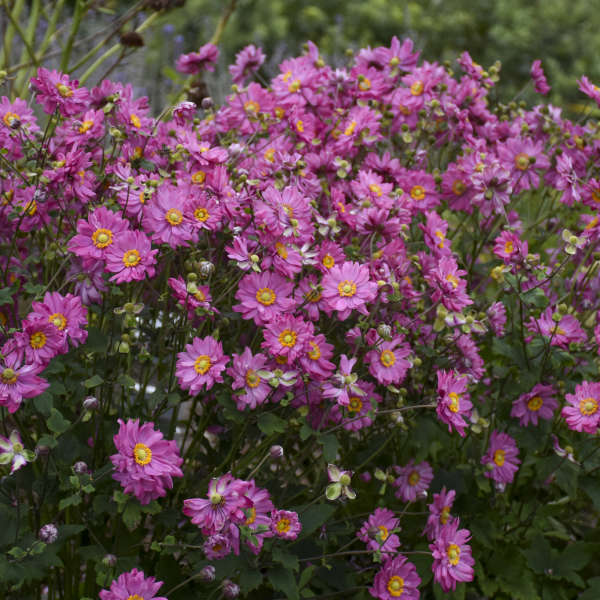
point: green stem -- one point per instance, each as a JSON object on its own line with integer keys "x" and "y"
{"x": 10, "y": 32}
{"x": 77, "y": 16}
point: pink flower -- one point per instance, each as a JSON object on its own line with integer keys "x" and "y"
{"x": 539, "y": 79}
{"x": 287, "y": 337}
{"x": 510, "y": 248}
{"x": 589, "y": 89}
{"x": 258, "y": 515}
{"x": 387, "y": 362}
{"x": 145, "y": 463}
{"x": 195, "y": 62}
{"x": 501, "y": 458}
{"x": 244, "y": 370}
{"x": 56, "y": 90}
{"x": 201, "y": 364}
{"x": 562, "y": 332}
{"x": 453, "y": 400}
{"x": 262, "y": 296}
{"x": 396, "y": 579}
{"x": 439, "y": 513}
{"x": 130, "y": 257}
{"x": 66, "y": 313}
{"x": 452, "y": 560}
{"x": 164, "y": 218}
{"x": 315, "y": 360}
{"x": 247, "y": 62}
{"x": 581, "y": 413}
{"x": 285, "y": 524}
{"x": 347, "y": 288}
{"x": 133, "y": 585}
{"x": 95, "y": 235}
{"x": 447, "y": 284}
{"x": 539, "y": 403}
{"x": 413, "y": 480}
{"x": 18, "y": 380}
{"x": 377, "y": 531}
{"x": 217, "y": 546}
{"x": 225, "y": 504}
{"x": 40, "y": 340}
{"x": 496, "y": 314}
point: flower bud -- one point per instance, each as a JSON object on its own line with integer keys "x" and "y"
{"x": 48, "y": 533}
{"x": 276, "y": 452}
{"x": 206, "y": 268}
{"x": 385, "y": 331}
{"x": 110, "y": 560}
{"x": 80, "y": 468}
{"x": 207, "y": 103}
{"x": 230, "y": 589}
{"x": 207, "y": 574}
{"x": 91, "y": 403}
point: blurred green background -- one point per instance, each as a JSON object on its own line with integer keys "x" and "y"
{"x": 563, "y": 33}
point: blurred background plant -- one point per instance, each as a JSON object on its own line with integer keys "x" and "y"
{"x": 108, "y": 33}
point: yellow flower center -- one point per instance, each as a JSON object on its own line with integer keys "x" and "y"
{"x": 350, "y": 129}
{"x": 135, "y": 597}
{"x": 202, "y": 364}
{"x": 252, "y": 516}
{"x": 596, "y": 195}
{"x": 535, "y": 403}
{"x": 199, "y": 177}
{"x": 355, "y": 404}
{"x": 417, "y": 192}
{"x": 199, "y": 295}
{"x": 201, "y": 214}
{"x": 440, "y": 236}
{"x": 270, "y": 155}
{"x": 387, "y": 358}
{"x": 522, "y": 161}
{"x": 445, "y": 515}
{"x": 364, "y": 84}
{"x": 313, "y": 295}
{"x": 288, "y": 338}
{"x": 86, "y": 126}
{"x": 499, "y": 457}
{"x": 347, "y": 288}
{"x": 395, "y": 586}
{"x": 417, "y": 88}
{"x": 266, "y": 296}
{"x": 588, "y": 406}
{"x": 174, "y": 217}
{"x": 252, "y": 379}
{"x": 58, "y": 320}
{"x": 414, "y": 478}
{"x": 454, "y": 404}
{"x": 376, "y": 190}
{"x": 458, "y": 187}
{"x": 279, "y": 112}
{"x": 452, "y": 279}
{"x": 102, "y": 238}
{"x": 283, "y": 525}
{"x": 9, "y": 376}
{"x": 281, "y": 250}
{"x": 315, "y": 352}
{"x": 64, "y": 90}
{"x": 135, "y": 120}
{"x": 383, "y": 532}
{"x": 328, "y": 261}
{"x": 294, "y": 86}
{"x": 251, "y": 106}
{"x": 453, "y": 552}
{"x": 142, "y": 454}
{"x": 10, "y": 117}
{"x": 131, "y": 258}
{"x": 300, "y": 126}
{"x": 509, "y": 247}
{"x": 37, "y": 340}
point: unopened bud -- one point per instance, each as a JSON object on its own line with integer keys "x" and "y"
{"x": 207, "y": 103}
{"x": 230, "y": 589}
{"x": 207, "y": 574}
{"x": 80, "y": 468}
{"x": 91, "y": 403}
{"x": 276, "y": 452}
{"x": 110, "y": 560}
{"x": 206, "y": 268}
{"x": 48, "y": 533}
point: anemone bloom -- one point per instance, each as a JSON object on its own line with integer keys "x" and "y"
{"x": 145, "y": 463}
{"x": 501, "y": 458}
{"x": 131, "y": 257}
{"x": 452, "y": 559}
{"x": 201, "y": 364}
{"x": 133, "y": 586}
{"x": 397, "y": 578}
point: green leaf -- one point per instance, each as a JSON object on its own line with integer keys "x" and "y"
{"x": 305, "y": 432}
{"x": 314, "y": 516}
{"x": 283, "y": 580}
{"x": 132, "y": 516}
{"x": 6, "y": 295}
{"x": 96, "y": 340}
{"x": 43, "y": 403}
{"x": 93, "y": 381}
{"x": 289, "y": 561}
{"x": 73, "y": 500}
{"x": 330, "y": 447}
{"x": 125, "y": 380}
{"x": 57, "y": 423}
{"x": 566, "y": 478}
{"x": 592, "y": 488}
{"x": 593, "y": 591}
{"x": 48, "y": 441}
{"x": 269, "y": 423}
{"x": 250, "y": 579}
